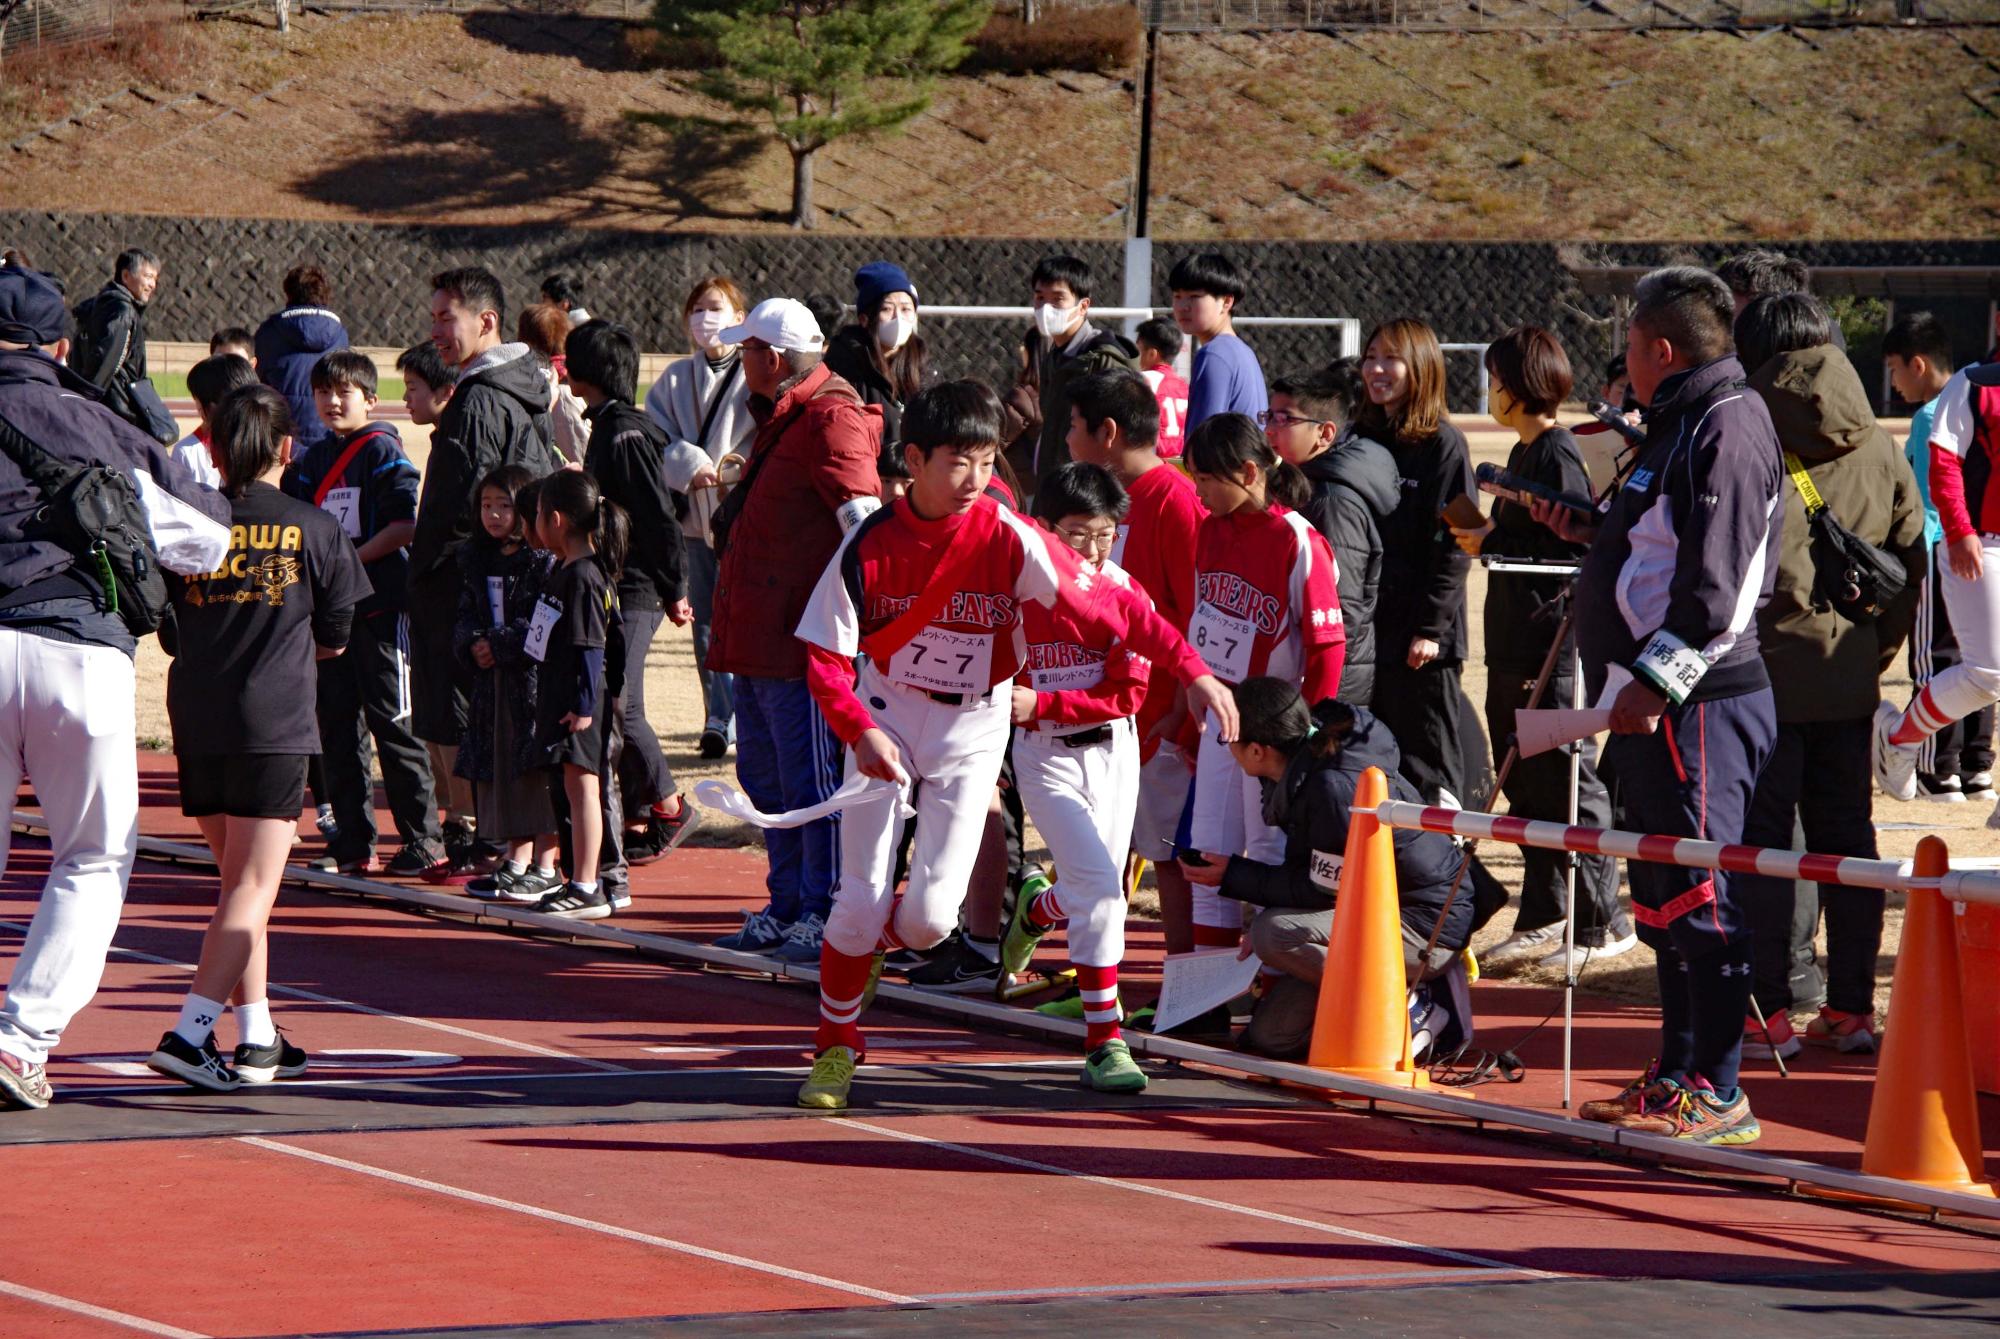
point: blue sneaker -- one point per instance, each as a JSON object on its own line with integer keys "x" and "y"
{"x": 802, "y": 942}
{"x": 761, "y": 933}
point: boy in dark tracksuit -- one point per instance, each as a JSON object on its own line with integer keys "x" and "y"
{"x": 1666, "y": 623}
{"x": 361, "y": 477}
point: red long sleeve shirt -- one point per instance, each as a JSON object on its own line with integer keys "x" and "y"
{"x": 1267, "y": 601}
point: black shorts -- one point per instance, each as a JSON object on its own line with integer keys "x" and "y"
{"x": 243, "y": 785}
{"x": 578, "y": 748}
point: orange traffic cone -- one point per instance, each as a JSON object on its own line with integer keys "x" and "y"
{"x": 1923, "y": 1123}
{"x": 1363, "y": 1025}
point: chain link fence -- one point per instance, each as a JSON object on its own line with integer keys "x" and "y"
{"x": 1198, "y": 16}
{"x": 36, "y": 25}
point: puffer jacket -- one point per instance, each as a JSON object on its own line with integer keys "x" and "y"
{"x": 110, "y": 348}
{"x": 1822, "y": 666}
{"x": 288, "y": 343}
{"x": 1354, "y": 489}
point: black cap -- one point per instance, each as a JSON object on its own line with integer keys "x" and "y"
{"x": 32, "y": 310}
{"x": 1986, "y": 374}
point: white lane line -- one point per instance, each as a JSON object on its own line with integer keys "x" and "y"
{"x": 1208, "y": 1285}
{"x": 587, "y": 1224}
{"x": 1141, "y": 1188}
{"x": 317, "y": 998}
{"x": 139, "y": 1323}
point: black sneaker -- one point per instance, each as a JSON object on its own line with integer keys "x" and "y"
{"x": 261, "y": 1064}
{"x": 957, "y": 968}
{"x": 414, "y": 858}
{"x": 903, "y": 961}
{"x": 714, "y": 743}
{"x": 201, "y": 1065}
{"x": 675, "y": 828}
{"x": 503, "y": 885}
{"x": 343, "y": 862}
{"x": 619, "y": 895}
{"x": 644, "y": 846}
{"x": 571, "y": 903}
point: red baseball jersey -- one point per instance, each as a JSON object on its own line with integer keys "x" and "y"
{"x": 1266, "y": 601}
{"x": 1170, "y": 388}
{"x": 1080, "y": 674}
{"x": 976, "y": 641}
{"x": 1155, "y": 547}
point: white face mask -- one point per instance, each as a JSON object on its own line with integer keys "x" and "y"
{"x": 895, "y": 332}
{"x": 706, "y": 327}
{"x": 1053, "y": 321}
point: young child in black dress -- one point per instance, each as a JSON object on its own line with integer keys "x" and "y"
{"x": 567, "y": 636}
{"x": 504, "y": 576}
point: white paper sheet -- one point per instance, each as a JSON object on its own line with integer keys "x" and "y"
{"x": 1539, "y": 731}
{"x": 1193, "y": 983}
{"x": 856, "y": 791}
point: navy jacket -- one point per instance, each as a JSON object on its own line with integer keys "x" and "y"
{"x": 288, "y": 344}
{"x": 385, "y": 486}
{"x": 1688, "y": 551}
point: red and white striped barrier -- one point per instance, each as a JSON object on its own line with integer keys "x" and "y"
{"x": 1981, "y": 886}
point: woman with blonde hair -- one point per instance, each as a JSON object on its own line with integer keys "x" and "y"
{"x": 704, "y": 404}
{"x": 1420, "y": 634}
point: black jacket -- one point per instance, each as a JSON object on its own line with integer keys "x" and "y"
{"x": 1523, "y": 612}
{"x": 1054, "y": 370}
{"x": 498, "y": 415}
{"x": 1423, "y": 569}
{"x": 849, "y": 358}
{"x": 627, "y": 457}
{"x": 110, "y": 348}
{"x": 511, "y": 684}
{"x": 1312, "y": 802}
{"x": 1354, "y": 489}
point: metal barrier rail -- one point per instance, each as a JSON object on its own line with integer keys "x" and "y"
{"x": 1982, "y": 886}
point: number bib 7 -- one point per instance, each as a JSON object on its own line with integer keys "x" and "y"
{"x": 941, "y": 661}
{"x": 1222, "y": 641}
{"x": 344, "y": 505}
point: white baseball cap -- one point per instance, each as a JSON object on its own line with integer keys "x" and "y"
{"x": 782, "y": 323}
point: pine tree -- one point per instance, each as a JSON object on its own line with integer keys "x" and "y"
{"x": 812, "y": 66}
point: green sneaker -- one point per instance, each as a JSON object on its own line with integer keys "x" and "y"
{"x": 1111, "y": 1069}
{"x": 874, "y": 979}
{"x": 825, "y": 1089}
{"x": 1069, "y": 1006}
{"x": 1017, "y": 947}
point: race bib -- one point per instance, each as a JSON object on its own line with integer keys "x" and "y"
{"x": 547, "y": 614}
{"x": 496, "y": 599}
{"x": 344, "y": 505}
{"x": 1066, "y": 678}
{"x": 1118, "y": 545}
{"x": 942, "y": 661}
{"x": 1224, "y": 643}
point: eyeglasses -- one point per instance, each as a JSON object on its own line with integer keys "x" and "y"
{"x": 1093, "y": 540}
{"x": 1280, "y": 418}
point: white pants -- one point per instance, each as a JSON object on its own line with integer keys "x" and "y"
{"x": 1228, "y": 819}
{"x": 1974, "y": 607}
{"x": 955, "y": 753}
{"x": 1163, "y": 796}
{"x": 66, "y": 723}
{"x": 1081, "y": 801}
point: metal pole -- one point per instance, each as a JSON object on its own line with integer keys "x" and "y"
{"x": 1569, "y": 879}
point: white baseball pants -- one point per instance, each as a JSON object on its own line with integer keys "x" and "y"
{"x": 1228, "y": 818}
{"x": 1082, "y": 802}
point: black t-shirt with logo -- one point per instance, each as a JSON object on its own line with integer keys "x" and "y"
{"x": 576, "y": 606}
{"x": 244, "y": 678}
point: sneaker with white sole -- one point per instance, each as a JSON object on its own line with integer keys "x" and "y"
{"x": 23, "y": 1083}
{"x": 1940, "y": 789}
{"x": 802, "y": 941}
{"x": 1523, "y": 944}
{"x": 1978, "y": 786}
{"x": 826, "y": 1088}
{"x": 1850, "y": 1034}
{"x": 1895, "y": 764}
{"x": 572, "y": 903}
{"x": 1775, "y": 1038}
{"x": 761, "y": 933}
{"x": 1567, "y": 961}
{"x": 203, "y": 1065}
{"x": 261, "y": 1064}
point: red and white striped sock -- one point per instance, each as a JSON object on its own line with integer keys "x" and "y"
{"x": 1101, "y": 1011}
{"x": 1046, "y": 911}
{"x": 843, "y": 980}
{"x": 1922, "y": 719}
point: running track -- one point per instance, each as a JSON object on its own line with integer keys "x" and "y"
{"x": 504, "y": 1133}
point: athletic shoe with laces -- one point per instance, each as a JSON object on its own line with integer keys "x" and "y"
{"x": 1895, "y": 765}
{"x": 903, "y": 961}
{"x": 1776, "y": 1038}
{"x": 459, "y": 867}
{"x": 761, "y": 933}
{"x": 335, "y": 862}
{"x": 495, "y": 886}
{"x": 1979, "y": 786}
{"x": 677, "y": 827}
{"x": 415, "y": 859}
{"x": 1068, "y": 1005}
{"x": 261, "y": 1064}
{"x": 1017, "y": 946}
{"x": 23, "y": 1083}
{"x": 1111, "y": 1069}
{"x": 1525, "y": 944}
{"x": 1609, "y": 1109}
{"x": 1695, "y": 1112}
{"x": 714, "y": 743}
{"x": 957, "y": 968}
{"x": 572, "y": 903}
{"x": 202, "y": 1066}
{"x": 1850, "y": 1034}
{"x": 528, "y": 887}
{"x": 825, "y": 1089}
{"x": 1567, "y": 961}
{"x": 1940, "y": 789}
{"x": 802, "y": 941}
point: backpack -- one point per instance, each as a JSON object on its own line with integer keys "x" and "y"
{"x": 95, "y": 514}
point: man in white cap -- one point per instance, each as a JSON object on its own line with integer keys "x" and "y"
{"x": 811, "y": 477}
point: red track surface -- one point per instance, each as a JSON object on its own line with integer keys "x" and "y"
{"x": 349, "y": 1215}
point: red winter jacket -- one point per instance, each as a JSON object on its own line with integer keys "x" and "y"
{"x": 823, "y": 444}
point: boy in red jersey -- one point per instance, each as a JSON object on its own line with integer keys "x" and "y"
{"x": 928, "y": 594}
{"x": 1114, "y": 422}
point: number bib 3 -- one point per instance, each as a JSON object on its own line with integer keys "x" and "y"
{"x": 547, "y": 614}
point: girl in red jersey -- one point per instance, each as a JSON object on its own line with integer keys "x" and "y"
{"x": 1265, "y": 604}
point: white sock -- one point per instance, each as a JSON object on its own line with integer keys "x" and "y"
{"x": 585, "y": 888}
{"x": 253, "y": 1024}
{"x": 517, "y": 867}
{"x": 198, "y": 1019}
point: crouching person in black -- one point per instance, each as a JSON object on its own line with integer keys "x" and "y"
{"x": 1310, "y": 763}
